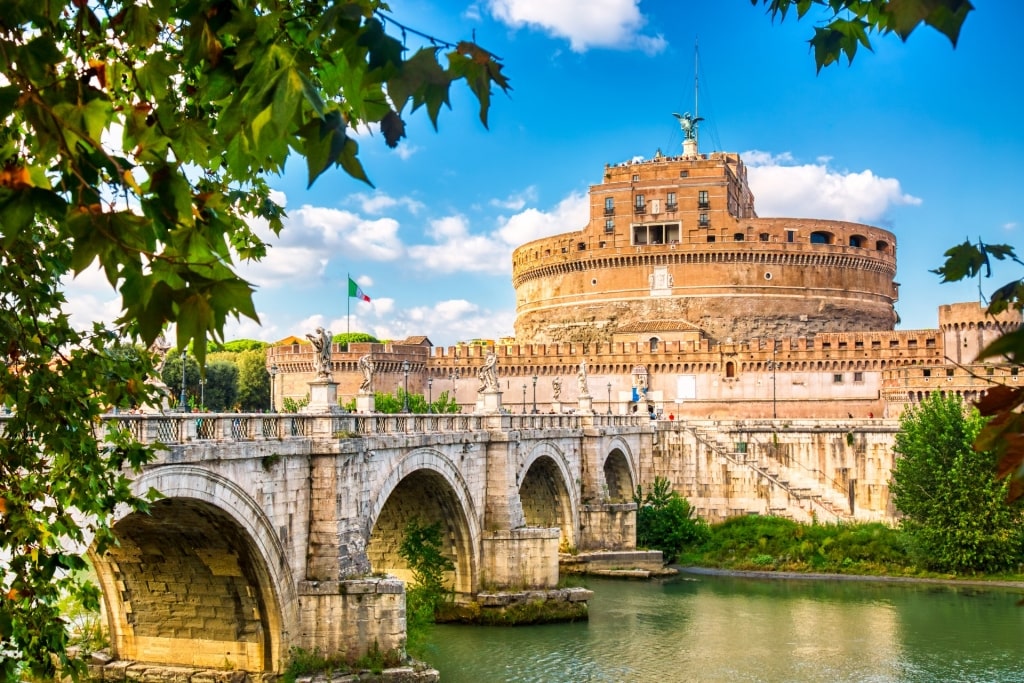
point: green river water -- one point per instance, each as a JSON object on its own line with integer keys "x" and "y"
{"x": 711, "y": 628}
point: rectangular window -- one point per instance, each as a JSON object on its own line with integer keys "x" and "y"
{"x": 609, "y": 225}
{"x": 858, "y": 345}
{"x": 639, "y": 204}
{"x": 703, "y": 221}
{"x": 711, "y": 238}
{"x": 929, "y": 343}
{"x": 949, "y": 372}
{"x": 990, "y": 371}
{"x": 858, "y": 377}
{"x": 911, "y": 343}
{"x": 702, "y": 199}
{"x": 876, "y": 344}
{"x": 684, "y": 174}
{"x": 842, "y": 345}
{"x": 670, "y": 202}
{"x": 636, "y": 179}
{"x": 825, "y": 346}
{"x": 926, "y": 372}
{"x": 609, "y": 205}
{"x": 894, "y": 343}
{"x": 837, "y": 379}
{"x": 791, "y": 235}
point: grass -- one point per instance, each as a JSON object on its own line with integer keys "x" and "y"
{"x": 775, "y": 544}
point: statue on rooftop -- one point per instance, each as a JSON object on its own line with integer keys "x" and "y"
{"x": 689, "y": 125}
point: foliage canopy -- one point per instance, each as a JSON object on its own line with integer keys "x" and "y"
{"x": 955, "y": 506}
{"x": 137, "y": 138}
{"x": 849, "y": 23}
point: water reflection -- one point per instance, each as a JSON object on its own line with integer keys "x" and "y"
{"x": 725, "y": 629}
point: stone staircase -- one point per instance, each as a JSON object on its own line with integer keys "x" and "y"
{"x": 790, "y": 492}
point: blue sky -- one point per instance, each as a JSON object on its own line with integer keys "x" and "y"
{"x": 918, "y": 138}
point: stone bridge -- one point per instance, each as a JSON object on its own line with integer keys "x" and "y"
{"x": 282, "y": 531}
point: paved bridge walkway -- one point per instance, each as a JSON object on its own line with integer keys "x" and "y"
{"x": 281, "y": 531}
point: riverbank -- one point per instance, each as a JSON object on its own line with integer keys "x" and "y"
{"x": 820, "y": 576}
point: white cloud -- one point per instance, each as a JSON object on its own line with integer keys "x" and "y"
{"x": 1009, "y": 226}
{"x": 516, "y": 202}
{"x": 405, "y": 150}
{"x": 786, "y": 189}
{"x": 456, "y": 249}
{"x": 379, "y": 202}
{"x": 584, "y": 23}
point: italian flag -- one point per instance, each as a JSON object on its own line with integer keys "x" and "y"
{"x": 354, "y": 291}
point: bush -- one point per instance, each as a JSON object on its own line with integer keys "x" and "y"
{"x": 665, "y": 521}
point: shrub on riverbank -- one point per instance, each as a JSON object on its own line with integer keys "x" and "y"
{"x": 774, "y": 543}
{"x": 665, "y": 521}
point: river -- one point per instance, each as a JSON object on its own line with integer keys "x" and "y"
{"x": 712, "y": 628}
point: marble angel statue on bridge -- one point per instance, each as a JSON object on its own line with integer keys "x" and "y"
{"x": 581, "y": 379}
{"x": 321, "y": 341}
{"x": 366, "y": 367}
{"x": 488, "y": 374}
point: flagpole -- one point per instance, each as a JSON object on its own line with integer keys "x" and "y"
{"x": 348, "y": 305}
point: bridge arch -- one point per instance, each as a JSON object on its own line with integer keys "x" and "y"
{"x": 546, "y": 492}
{"x": 202, "y": 579}
{"x": 427, "y": 485}
{"x": 619, "y": 471}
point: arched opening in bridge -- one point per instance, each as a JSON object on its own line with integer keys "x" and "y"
{"x": 424, "y": 496}
{"x": 545, "y": 499}
{"x": 188, "y": 583}
{"x": 617, "y": 478}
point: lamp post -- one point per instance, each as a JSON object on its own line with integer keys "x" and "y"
{"x": 535, "y": 394}
{"x": 405, "y": 397}
{"x": 202, "y": 393}
{"x": 775, "y": 413}
{"x": 273, "y": 373}
{"x": 609, "y": 398}
{"x": 430, "y": 394}
{"x": 524, "y": 398}
{"x": 182, "y": 406}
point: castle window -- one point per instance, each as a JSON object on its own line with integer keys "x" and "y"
{"x": 636, "y": 179}
{"x": 791, "y": 235}
{"x": 763, "y": 237}
{"x": 857, "y": 241}
{"x": 858, "y": 345}
{"x": 825, "y": 346}
{"x": 702, "y": 199}
{"x": 926, "y": 372}
{"x": 929, "y": 343}
{"x": 837, "y": 378}
{"x": 911, "y": 343}
{"x": 876, "y": 344}
{"x": 581, "y": 246}
{"x": 894, "y": 343}
{"x": 737, "y": 237}
{"x": 609, "y": 225}
{"x": 711, "y": 238}
{"x": 882, "y": 246}
{"x": 858, "y": 377}
{"x": 1014, "y": 371}
{"x": 609, "y": 205}
{"x": 684, "y": 174}
{"x": 730, "y": 369}
{"x": 670, "y": 202}
{"x": 702, "y": 220}
{"x": 820, "y": 237}
{"x": 653, "y": 344}
{"x": 639, "y": 204}
{"x": 949, "y": 372}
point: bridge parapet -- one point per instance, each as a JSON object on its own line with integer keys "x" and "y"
{"x": 179, "y": 428}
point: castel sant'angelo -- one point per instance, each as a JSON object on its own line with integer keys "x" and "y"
{"x": 681, "y": 301}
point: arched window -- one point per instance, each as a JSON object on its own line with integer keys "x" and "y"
{"x": 857, "y": 241}
{"x": 653, "y": 342}
{"x": 821, "y": 237}
{"x": 737, "y": 237}
{"x": 882, "y": 246}
{"x": 730, "y": 369}
{"x": 763, "y": 237}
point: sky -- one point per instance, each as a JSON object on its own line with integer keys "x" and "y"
{"x": 918, "y": 138}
